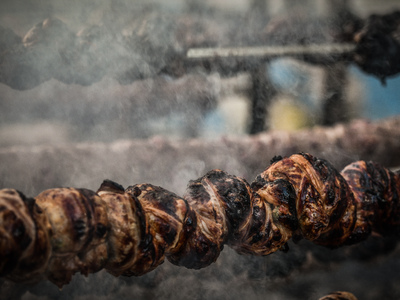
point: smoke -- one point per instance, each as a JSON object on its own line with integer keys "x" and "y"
{"x": 294, "y": 275}
{"x": 113, "y": 71}
{"x": 119, "y": 77}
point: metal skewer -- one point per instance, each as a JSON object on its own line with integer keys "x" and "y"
{"x": 271, "y": 51}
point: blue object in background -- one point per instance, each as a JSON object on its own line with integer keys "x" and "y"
{"x": 380, "y": 101}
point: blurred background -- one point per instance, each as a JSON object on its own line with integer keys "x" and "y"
{"x": 86, "y": 87}
{"x": 134, "y": 80}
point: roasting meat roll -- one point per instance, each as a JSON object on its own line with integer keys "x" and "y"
{"x": 24, "y": 238}
{"x": 165, "y": 215}
{"x": 126, "y": 227}
{"x": 130, "y": 232}
{"x": 79, "y": 226}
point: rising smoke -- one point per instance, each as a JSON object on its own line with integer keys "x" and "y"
{"x": 132, "y": 86}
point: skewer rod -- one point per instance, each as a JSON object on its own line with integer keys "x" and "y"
{"x": 268, "y": 51}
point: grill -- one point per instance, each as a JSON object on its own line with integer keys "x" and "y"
{"x": 126, "y": 95}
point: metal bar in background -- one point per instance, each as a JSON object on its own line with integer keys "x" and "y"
{"x": 262, "y": 93}
{"x": 272, "y": 51}
{"x": 335, "y": 107}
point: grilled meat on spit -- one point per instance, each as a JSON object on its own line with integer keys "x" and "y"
{"x": 130, "y": 232}
{"x": 339, "y": 296}
{"x": 158, "y": 43}
{"x": 378, "y": 45}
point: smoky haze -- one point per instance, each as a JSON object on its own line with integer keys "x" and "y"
{"x": 111, "y": 70}
{"x": 124, "y": 81}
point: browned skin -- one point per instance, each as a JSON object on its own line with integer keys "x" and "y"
{"x": 78, "y": 242}
{"x": 339, "y": 296}
{"x": 24, "y": 235}
{"x": 130, "y": 232}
